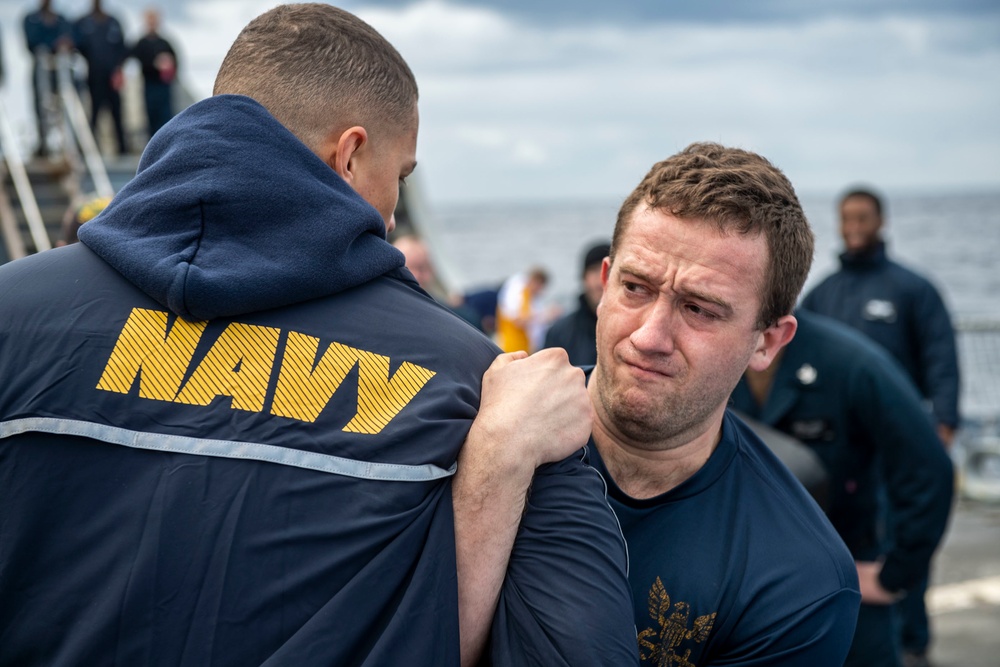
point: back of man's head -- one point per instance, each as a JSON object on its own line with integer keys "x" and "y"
{"x": 319, "y": 69}
{"x": 741, "y": 193}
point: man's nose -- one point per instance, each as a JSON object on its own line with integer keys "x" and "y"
{"x": 655, "y": 334}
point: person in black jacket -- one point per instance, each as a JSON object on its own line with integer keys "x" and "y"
{"x": 158, "y": 60}
{"x": 45, "y": 33}
{"x": 577, "y": 332}
{"x": 904, "y": 313}
{"x": 99, "y": 38}
{"x": 897, "y": 308}
{"x": 850, "y": 402}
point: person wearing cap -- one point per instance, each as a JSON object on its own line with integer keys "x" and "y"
{"x": 577, "y": 332}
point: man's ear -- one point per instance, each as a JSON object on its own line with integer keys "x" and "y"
{"x": 772, "y": 339}
{"x": 605, "y": 274}
{"x": 341, "y": 151}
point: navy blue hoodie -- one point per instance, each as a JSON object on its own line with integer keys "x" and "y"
{"x": 228, "y": 425}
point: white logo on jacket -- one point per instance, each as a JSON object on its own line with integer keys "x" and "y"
{"x": 879, "y": 310}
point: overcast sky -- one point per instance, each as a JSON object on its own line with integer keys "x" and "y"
{"x": 570, "y": 99}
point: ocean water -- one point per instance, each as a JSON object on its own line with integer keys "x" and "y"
{"x": 952, "y": 239}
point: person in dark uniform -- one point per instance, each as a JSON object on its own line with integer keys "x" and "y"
{"x": 847, "y": 399}
{"x": 904, "y": 313}
{"x": 897, "y": 308}
{"x": 158, "y": 60}
{"x": 730, "y": 561}
{"x": 576, "y": 332}
{"x": 99, "y": 38}
{"x": 45, "y": 33}
{"x": 234, "y": 431}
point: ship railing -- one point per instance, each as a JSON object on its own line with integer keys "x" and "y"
{"x": 977, "y": 447}
{"x": 76, "y": 118}
{"x": 25, "y": 194}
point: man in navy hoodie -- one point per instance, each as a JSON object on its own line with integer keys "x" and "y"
{"x": 232, "y": 425}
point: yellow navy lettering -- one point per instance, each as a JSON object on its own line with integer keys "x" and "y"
{"x": 146, "y": 345}
{"x": 241, "y": 362}
{"x": 302, "y": 391}
{"x": 238, "y": 364}
{"x": 380, "y": 397}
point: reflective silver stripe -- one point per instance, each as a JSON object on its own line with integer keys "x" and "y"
{"x": 336, "y": 465}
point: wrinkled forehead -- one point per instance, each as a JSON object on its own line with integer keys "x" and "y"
{"x": 657, "y": 240}
{"x": 644, "y": 214}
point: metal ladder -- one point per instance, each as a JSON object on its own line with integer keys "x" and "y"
{"x": 23, "y": 228}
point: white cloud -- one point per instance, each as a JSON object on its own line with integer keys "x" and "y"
{"x": 529, "y": 152}
{"x": 513, "y": 110}
{"x": 897, "y": 100}
{"x": 206, "y": 32}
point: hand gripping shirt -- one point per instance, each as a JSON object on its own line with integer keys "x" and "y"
{"x": 737, "y": 565}
{"x": 228, "y": 425}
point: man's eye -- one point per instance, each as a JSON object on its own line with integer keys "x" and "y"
{"x": 698, "y": 311}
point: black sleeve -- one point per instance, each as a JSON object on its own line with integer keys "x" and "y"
{"x": 918, "y": 472}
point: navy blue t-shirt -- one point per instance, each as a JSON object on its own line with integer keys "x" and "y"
{"x": 736, "y": 565}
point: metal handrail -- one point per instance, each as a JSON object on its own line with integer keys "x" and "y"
{"x": 977, "y": 324}
{"x": 77, "y": 118}
{"x": 36, "y": 226}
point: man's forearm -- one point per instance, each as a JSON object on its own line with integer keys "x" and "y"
{"x": 533, "y": 410}
{"x": 489, "y": 498}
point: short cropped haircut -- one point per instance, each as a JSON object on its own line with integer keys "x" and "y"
{"x": 868, "y": 194}
{"x": 315, "y": 67}
{"x": 741, "y": 193}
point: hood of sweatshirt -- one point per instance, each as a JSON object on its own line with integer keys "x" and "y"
{"x": 229, "y": 213}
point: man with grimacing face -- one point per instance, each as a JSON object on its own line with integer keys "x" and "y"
{"x": 730, "y": 560}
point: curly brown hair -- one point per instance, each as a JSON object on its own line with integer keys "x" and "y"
{"x": 740, "y": 193}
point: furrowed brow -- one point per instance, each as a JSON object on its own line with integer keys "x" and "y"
{"x": 640, "y": 275}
